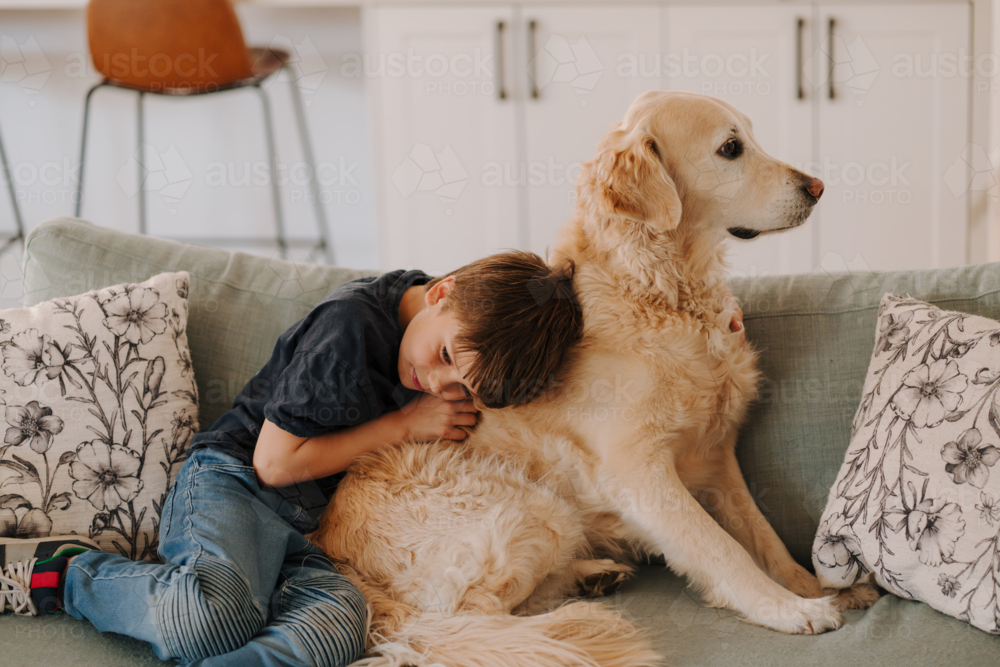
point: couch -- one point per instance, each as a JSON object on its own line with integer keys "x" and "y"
{"x": 814, "y": 332}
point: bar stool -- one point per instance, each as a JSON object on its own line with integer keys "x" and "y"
{"x": 8, "y": 178}
{"x": 182, "y": 48}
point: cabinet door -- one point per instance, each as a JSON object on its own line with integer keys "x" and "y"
{"x": 893, "y": 138}
{"x": 752, "y": 57}
{"x": 580, "y": 81}
{"x": 440, "y": 122}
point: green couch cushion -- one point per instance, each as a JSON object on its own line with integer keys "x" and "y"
{"x": 239, "y": 303}
{"x": 815, "y": 334}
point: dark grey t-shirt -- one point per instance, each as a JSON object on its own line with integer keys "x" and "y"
{"x": 335, "y": 367}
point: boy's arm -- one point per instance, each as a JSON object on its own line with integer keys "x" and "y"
{"x": 281, "y": 458}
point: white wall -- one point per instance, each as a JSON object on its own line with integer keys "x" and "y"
{"x": 213, "y": 138}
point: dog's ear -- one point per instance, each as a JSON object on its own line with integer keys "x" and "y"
{"x": 632, "y": 182}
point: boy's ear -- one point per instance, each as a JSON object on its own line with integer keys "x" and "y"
{"x": 440, "y": 290}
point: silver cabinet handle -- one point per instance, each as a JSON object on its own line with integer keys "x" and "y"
{"x": 501, "y": 90}
{"x": 798, "y": 59}
{"x": 829, "y": 37}
{"x": 532, "y": 59}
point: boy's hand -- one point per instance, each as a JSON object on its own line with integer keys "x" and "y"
{"x": 427, "y": 418}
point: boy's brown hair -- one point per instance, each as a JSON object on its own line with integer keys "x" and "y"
{"x": 520, "y": 317}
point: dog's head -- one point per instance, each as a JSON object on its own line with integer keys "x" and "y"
{"x": 681, "y": 156}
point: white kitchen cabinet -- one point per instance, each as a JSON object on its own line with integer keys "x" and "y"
{"x": 897, "y": 123}
{"x": 436, "y": 78}
{"x": 516, "y": 156}
{"x": 463, "y": 174}
{"x": 752, "y": 58}
{"x": 577, "y": 90}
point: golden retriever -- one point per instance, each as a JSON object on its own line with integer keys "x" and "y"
{"x": 465, "y": 550}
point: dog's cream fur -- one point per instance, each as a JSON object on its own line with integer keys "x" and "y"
{"x": 448, "y": 540}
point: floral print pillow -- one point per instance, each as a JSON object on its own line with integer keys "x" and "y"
{"x": 99, "y": 401}
{"x": 916, "y": 504}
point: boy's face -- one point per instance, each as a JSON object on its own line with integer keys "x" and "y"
{"x": 427, "y": 354}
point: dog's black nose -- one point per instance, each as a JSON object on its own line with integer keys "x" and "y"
{"x": 815, "y": 188}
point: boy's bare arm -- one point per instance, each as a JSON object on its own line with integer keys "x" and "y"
{"x": 281, "y": 458}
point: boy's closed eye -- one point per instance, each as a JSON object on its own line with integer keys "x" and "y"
{"x": 446, "y": 358}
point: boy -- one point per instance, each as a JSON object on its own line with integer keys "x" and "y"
{"x": 379, "y": 361}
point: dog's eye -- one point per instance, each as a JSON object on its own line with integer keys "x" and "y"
{"x": 731, "y": 150}
{"x": 653, "y": 148}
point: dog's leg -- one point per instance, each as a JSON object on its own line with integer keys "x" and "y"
{"x": 587, "y": 578}
{"x": 653, "y": 500}
{"x": 728, "y": 499}
{"x": 731, "y": 503}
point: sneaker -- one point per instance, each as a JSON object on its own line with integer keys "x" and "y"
{"x": 32, "y": 575}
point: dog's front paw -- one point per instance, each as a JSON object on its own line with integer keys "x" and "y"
{"x": 858, "y": 596}
{"x": 819, "y": 615}
{"x": 800, "y": 616}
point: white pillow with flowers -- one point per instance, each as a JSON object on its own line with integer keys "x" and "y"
{"x": 916, "y": 504}
{"x": 99, "y": 401}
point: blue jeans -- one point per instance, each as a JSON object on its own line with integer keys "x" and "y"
{"x": 239, "y": 585}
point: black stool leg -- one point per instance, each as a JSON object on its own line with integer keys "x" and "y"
{"x": 9, "y": 178}
{"x": 83, "y": 147}
{"x": 272, "y": 157}
{"x": 324, "y": 232}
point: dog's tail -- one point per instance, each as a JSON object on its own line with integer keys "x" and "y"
{"x": 579, "y": 634}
